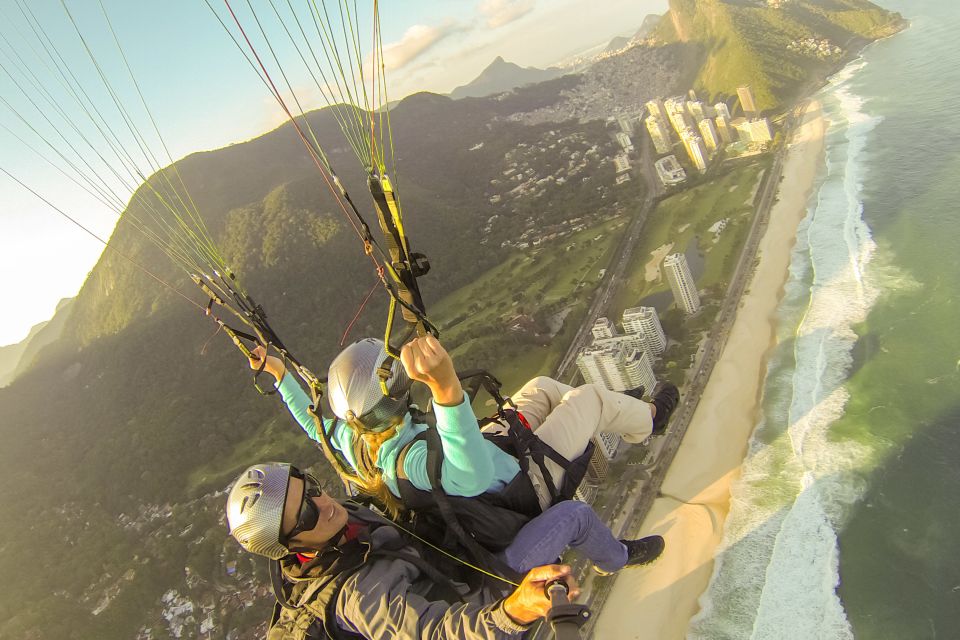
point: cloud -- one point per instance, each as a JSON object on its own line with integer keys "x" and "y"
{"x": 415, "y": 41}
{"x": 501, "y": 12}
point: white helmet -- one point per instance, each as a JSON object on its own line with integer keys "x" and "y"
{"x": 255, "y": 509}
{"x": 354, "y": 390}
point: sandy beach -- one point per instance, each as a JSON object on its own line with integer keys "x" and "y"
{"x": 658, "y": 602}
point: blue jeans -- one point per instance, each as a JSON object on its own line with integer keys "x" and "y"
{"x": 568, "y": 524}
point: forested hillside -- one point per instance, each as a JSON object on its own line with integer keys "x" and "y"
{"x": 767, "y": 43}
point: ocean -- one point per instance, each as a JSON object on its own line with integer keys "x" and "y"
{"x": 846, "y": 521}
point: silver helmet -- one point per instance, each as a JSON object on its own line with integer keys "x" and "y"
{"x": 354, "y": 387}
{"x": 255, "y": 508}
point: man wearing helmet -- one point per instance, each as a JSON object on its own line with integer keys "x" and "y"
{"x": 374, "y": 429}
{"x": 348, "y": 572}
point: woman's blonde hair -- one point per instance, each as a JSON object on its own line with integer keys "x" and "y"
{"x": 369, "y": 478}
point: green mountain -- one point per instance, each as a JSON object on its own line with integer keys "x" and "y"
{"x": 15, "y": 358}
{"x": 119, "y": 439}
{"x": 766, "y": 43}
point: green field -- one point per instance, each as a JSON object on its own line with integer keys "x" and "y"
{"x": 548, "y": 287}
{"x": 687, "y": 216}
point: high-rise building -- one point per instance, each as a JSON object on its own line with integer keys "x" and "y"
{"x": 695, "y": 149}
{"x": 608, "y": 443}
{"x": 639, "y": 370}
{"x": 613, "y": 366}
{"x": 754, "y": 130}
{"x": 644, "y": 320}
{"x": 724, "y": 129}
{"x": 747, "y": 103}
{"x": 722, "y": 109}
{"x": 604, "y": 328}
{"x": 598, "y": 467}
{"x": 676, "y": 110}
{"x": 626, "y": 125}
{"x": 625, "y": 141}
{"x": 681, "y": 283}
{"x": 655, "y": 109}
{"x": 586, "y": 492}
{"x": 659, "y": 134}
{"x": 696, "y": 110}
{"x": 631, "y": 341}
{"x": 709, "y": 132}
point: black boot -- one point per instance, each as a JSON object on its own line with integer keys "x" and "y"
{"x": 639, "y": 552}
{"x": 665, "y": 398}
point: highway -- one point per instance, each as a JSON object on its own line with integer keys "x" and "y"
{"x": 614, "y": 275}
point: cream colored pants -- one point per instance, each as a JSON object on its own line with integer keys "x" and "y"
{"x": 568, "y": 418}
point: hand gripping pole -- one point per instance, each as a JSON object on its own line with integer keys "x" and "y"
{"x": 564, "y": 617}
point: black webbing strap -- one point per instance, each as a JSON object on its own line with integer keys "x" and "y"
{"x": 434, "y": 470}
{"x": 279, "y": 587}
{"x": 447, "y": 512}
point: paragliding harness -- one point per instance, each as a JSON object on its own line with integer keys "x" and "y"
{"x": 307, "y": 594}
{"x": 487, "y": 523}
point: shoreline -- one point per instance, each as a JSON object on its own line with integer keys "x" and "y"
{"x": 695, "y": 494}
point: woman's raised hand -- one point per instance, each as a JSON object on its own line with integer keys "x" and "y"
{"x": 274, "y": 365}
{"x": 426, "y": 361}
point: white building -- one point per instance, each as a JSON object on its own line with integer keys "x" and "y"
{"x": 676, "y": 109}
{"x": 621, "y": 163}
{"x": 639, "y": 370}
{"x": 696, "y": 110}
{"x": 644, "y": 321}
{"x": 603, "y": 328}
{"x": 754, "y": 130}
{"x": 681, "y": 283}
{"x": 630, "y": 341}
{"x": 695, "y": 149}
{"x": 659, "y": 134}
{"x": 669, "y": 171}
{"x": 624, "y": 141}
{"x": 608, "y": 443}
{"x": 724, "y": 129}
{"x": 616, "y": 366}
{"x": 747, "y": 102}
{"x": 721, "y": 109}
{"x": 710, "y": 136}
{"x": 656, "y": 110}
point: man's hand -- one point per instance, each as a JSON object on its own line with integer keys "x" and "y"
{"x": 427, "y": 361}
{"x": 530, "y": 602}
{"x": 274, "y": 365}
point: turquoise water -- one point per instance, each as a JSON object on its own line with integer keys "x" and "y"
{"x": 847, "y": 518}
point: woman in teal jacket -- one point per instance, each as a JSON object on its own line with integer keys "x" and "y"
{"x": 372, "y": 429}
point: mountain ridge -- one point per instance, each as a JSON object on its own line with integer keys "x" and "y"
{"x": 500, "y": 76}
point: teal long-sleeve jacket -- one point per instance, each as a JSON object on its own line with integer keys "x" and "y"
{"x": 472, "y": 465}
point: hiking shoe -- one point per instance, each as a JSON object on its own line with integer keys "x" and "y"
{"x": 666, "y": 397}
{"x": 639, "y": 553}
{"x": 635, "y": 393}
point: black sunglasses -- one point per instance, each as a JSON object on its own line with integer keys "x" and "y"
{"x": 308, "y": 514}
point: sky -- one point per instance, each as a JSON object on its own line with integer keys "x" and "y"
{"x": 203, "y": 95}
